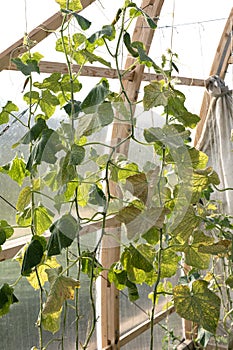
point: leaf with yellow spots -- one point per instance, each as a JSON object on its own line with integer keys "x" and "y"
{"x": 61, "y": 289}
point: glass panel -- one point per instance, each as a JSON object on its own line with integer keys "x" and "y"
{"x": 18, "y": 328}
{"x": 162, "y": 339}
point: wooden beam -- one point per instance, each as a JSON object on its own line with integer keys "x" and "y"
{"x": 12, "y": 246}
{"x": 186, "y": 345}
{"x": 219, "y": 67}
{"x": 121, "y": 131}
{"x": 37, "y": 35}
{"x": 138, "y": 330}
{"x": 110, "y": 73}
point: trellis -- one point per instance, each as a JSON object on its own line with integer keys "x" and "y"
{"x": 109, "y": 320}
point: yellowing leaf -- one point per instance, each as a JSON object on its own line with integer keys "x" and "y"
{"x": 33, "y": 280}
{"x": 61, "y": 289}
{"x": 74, "y": 5}
{"x": 24, "y": 198}
{"x": 198, "y": 304}
{"x": 51, "y": 322}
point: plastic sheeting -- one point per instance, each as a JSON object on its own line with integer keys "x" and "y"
{"x": 216, "y": 138}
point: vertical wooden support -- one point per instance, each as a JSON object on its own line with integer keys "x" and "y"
{"x": 219, "y": 67}
{"x": 109, "y": 295}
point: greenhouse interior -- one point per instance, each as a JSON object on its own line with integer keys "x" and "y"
{"x": 116, "y": 162}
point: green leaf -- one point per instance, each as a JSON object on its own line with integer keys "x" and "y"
{"x": 73, "y": 109}
{"x": 95, "y": 97}
{"x": 6, "y": 110}
{"x": 127, "y": 170}
{"x": 24, "y": 218}
{"x": 48, "y": 103}
{"x": 83, "y": 22}
{"x": 155, "y": 94}
{"x": 90, "y": 265}
{"x": 139, "y": 257}
{"x": 6, "y": 231}
{"x": 91, "y": 123}
{"x": 152, "y": 235}
{"x": 36, "y": 56}
{"x": 7, "y": 298}
{"x": 28, "y": 67}
{"x": 197, "y": 303}
{"x": 33, "y": 254}
{"x": 137, "y": 274}
{"x": 96, "y": 196}
{"x": 61, "y": 288}
{"x": 73, "y": 5}
{"x": 229, "y": 281}
{"x": 31, "y": 97}
{"x": 44, "y": 149}
{"x": 42, "y": 219}
{"x": 77, "y": 154}
{"x": 16, "y": 170}
{"x": 107, "y": 32}
{"x": 223, "y": 246}
{"x": 83, "y": 194}
{"x": 51, "y": 322}
{"x": 63, "y": 232}
{"x": 136, "y": 11}
{"x": 24, "y": 198}
{"x": 175, "y": 107}
{"x": 169, "y": 263}
{"x": 183, "y": 224}
{"x": 34, "y": 132}
{"x": 201, "y": 180}
{"x": 168, "y": 135}
{"x": 193, "y": 256}
{"x": 85, "y": 55}
{"x": 121, "y": 281}
{"x": 57, "y": 82}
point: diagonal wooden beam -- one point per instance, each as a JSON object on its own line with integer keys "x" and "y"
{"x": 223, "y": 57}
{"x": 37, "y": 35}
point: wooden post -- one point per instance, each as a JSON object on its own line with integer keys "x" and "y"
{"x": 109, "y": 312}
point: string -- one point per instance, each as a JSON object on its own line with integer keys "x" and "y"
{"x": 25, "y": 16}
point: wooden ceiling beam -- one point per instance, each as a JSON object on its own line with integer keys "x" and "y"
{"x": 37, "y": 35}
{"x": 94, "y": 71}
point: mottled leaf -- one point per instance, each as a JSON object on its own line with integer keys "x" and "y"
{"x": 74, "y": 5}
{"x": 51, "y": 322}
{"x": 24, "y": 198}
{"x": 61, "y": 288}
{"x": 198, "y": 303}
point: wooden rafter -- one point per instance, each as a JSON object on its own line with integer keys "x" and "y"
{"x": 222, "y": 59}
{"x": 94, "y": 71}
{"x": 37, "y": 35}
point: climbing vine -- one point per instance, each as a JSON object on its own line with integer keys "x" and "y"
{"x": 69, "y": 179}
